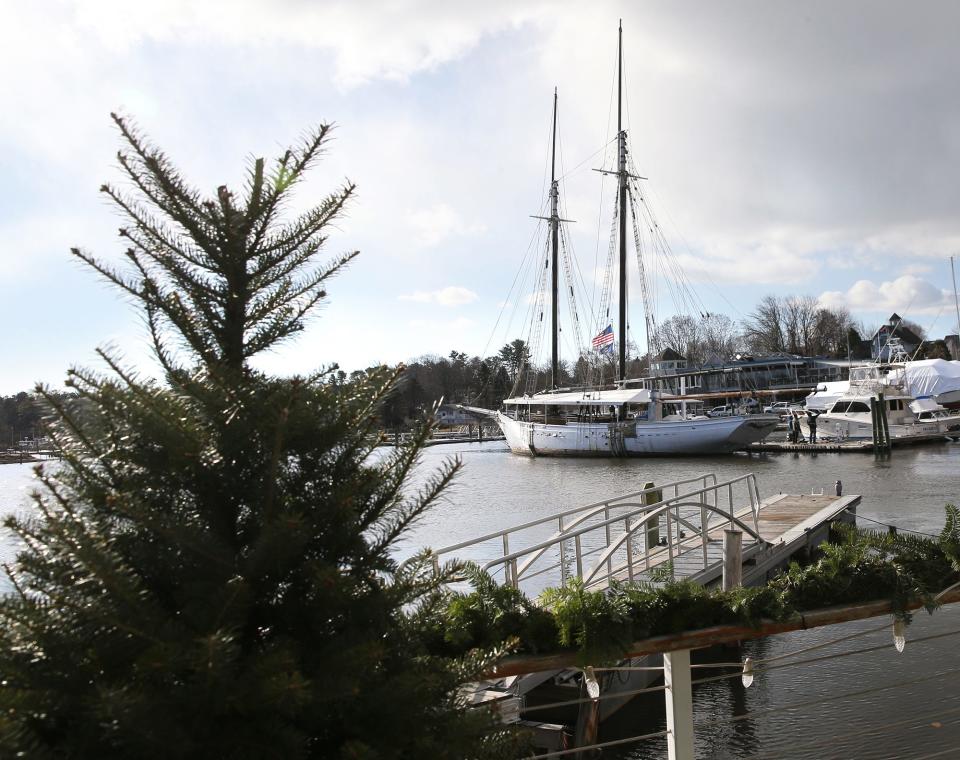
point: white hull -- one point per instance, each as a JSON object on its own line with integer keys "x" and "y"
{"x": 701, "y": 436}
{"x": 842, "y": 427}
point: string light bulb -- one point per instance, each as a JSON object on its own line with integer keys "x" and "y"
{"x": 593, "y": 685}
{"x": 899, "y": 634}
{"x": 747, "y": 676}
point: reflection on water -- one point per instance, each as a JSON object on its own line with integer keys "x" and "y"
{"x": 877, "y": 704}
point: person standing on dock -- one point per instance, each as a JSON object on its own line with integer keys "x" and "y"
{"x": 791, "y": 429}
{"x": 797, "y": 432}
{"x": 813, "y": 424}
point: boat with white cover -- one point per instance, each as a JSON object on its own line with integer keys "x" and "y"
{"x": 850, "y": 417}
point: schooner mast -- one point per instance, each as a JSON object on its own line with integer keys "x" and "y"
{"x": 554, "y": 220}
{"x": 622, "y": 195}
{"x": 554, "y": 247}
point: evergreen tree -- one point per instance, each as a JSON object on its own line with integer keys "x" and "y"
{"x": 209, "y": 573}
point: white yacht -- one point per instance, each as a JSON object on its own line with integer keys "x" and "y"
{"x": 850, "y": 417}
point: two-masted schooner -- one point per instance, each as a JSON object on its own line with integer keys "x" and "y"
{"x": 613, "y": 419}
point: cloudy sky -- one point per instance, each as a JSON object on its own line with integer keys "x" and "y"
{"x": 792, "y": 148}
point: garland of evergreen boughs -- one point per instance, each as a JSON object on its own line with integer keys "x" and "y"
{"x": 859, "y": 566}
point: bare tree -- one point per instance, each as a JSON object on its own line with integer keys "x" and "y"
{"x": 764, "y": 330}
{"x": 684, "y": 335}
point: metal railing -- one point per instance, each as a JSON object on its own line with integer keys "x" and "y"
{"x": 623, "y": 532}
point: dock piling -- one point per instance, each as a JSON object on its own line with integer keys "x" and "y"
{"x": 732, "y": 559}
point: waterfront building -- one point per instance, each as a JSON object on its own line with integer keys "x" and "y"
{"x": 785, "y": 374}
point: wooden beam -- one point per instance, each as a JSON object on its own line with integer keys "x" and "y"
{"x": 720, "y": 634}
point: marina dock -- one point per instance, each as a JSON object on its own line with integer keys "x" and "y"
{"x": 675, "y": 530}
{"x": 834, "y": 446}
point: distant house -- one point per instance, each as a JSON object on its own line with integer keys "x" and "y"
{"x": 880, "y": 343}
{"x": 668, "y": 362}
{"x": 953, "y": 345}
{"x": 450, "y": 416}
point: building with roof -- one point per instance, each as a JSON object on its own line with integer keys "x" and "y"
{"x": 894, "y": 328}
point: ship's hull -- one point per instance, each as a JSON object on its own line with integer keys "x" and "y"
{"x": 843, "y": 427}
{"x": 635, "y": 439}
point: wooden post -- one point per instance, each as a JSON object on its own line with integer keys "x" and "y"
{"x": 732, "y": 559}
{"x": 588, "y": 723}
{"x": 679, "y": 699}
{"x": 651, "y": 528}
{"x": 480, "y": 433}
{"x": 882, "y": 411}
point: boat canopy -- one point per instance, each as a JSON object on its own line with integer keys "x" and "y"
{"x": 826, "y": 394}
{"x": 930, "y": 377}
{"x": 616, "y": 397}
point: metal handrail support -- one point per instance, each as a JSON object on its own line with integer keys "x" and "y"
{"x": 613, "y": 547}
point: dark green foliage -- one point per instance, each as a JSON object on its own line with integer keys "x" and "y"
{"x": 493, "y": 614}
{"x": 596, "y": 623}
{"x": 861, "y": 566}
{"x": 209, "y": 573}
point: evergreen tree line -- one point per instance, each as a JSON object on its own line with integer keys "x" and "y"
{"x": 21, "y": 416}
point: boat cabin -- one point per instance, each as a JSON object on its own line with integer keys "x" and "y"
{"x": 574, "y": 407}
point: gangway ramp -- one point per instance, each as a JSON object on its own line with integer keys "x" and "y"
{"x": 669, "y": 530}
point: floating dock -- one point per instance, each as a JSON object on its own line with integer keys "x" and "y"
{"x": 832, "y": 446}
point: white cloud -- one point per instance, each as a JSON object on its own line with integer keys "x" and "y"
{"x": 906, "y": 295}
{"x": 393, "y": 42}
{"x": 438, "y": 223}
{"x": 452, "y": 295}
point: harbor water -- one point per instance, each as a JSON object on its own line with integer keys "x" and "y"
{"x": 828, "y": 702}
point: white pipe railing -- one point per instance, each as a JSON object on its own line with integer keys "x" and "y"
{"x": 705, "y": 503}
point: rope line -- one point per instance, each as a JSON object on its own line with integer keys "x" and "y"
{"x": 853, "y": 512}
{"x": 582, "y": 700}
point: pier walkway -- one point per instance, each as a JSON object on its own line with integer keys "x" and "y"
{"x": 674, "y": 530}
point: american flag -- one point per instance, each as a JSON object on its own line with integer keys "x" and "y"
{"x": 604, "y": 339}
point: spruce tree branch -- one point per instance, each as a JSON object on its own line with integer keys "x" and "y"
{"x": 159, "y": 350}
{"x": 12, "y": 578}
{"x": 155, "y": 230}
{"x": 199, "y": 293}
{"x": 197, "y": 289}
{"x": 166, "y": 408}
{"x": 77, "y": 430}
{"x": 289, "y": 291}
{"x": 181, "y": 202}
{"x": 400, "y": 518}
{"x": 110, "y": 275}
{"x": 285, "y": 176}
{"x": 292, "y": 236}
